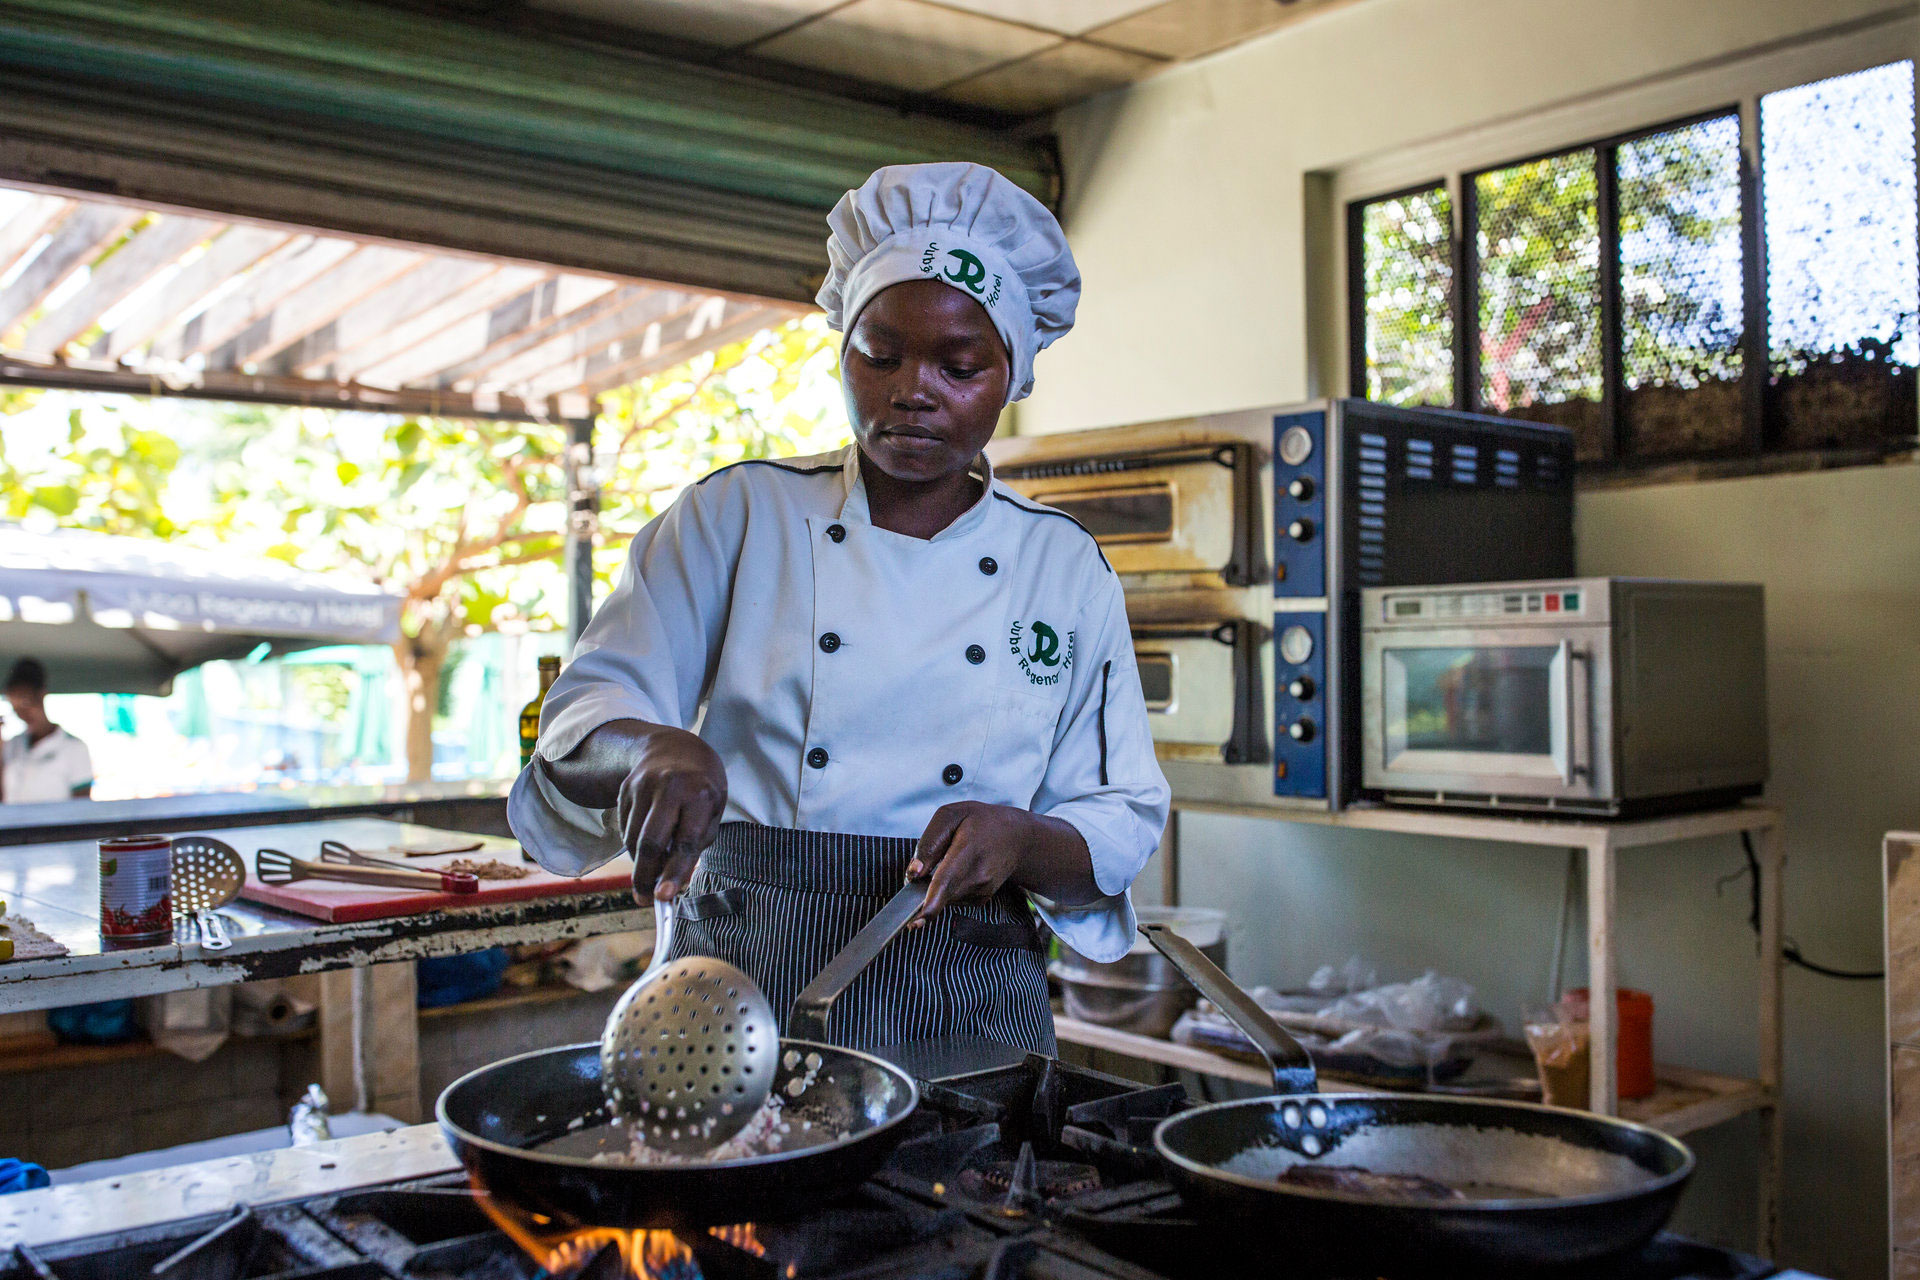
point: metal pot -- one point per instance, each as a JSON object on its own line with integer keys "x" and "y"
{"x": 1142, "y": 992}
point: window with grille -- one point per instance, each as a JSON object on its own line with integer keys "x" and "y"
{"x": 1723, "y": 286}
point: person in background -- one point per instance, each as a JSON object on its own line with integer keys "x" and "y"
{"x": 43, "y": 762}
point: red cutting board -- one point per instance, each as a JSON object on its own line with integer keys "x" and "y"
{"x": 339, "y": 903}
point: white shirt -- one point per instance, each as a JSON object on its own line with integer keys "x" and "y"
{"x": 31, "y": 772}
{"x": 847, "y": 672}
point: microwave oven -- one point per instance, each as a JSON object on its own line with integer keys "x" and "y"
{"x": 1242, "y": 541}
{"x": 1612, "y": 696}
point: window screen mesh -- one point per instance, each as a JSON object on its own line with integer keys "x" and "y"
{"x": 1406, "y": 243}
{"x": 1539, "y": 281}
{"x": 1837, "y": 181}
{"x": 1681, "y": 289}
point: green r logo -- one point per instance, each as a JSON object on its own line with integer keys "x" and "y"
{"x": 1040, "y": 651}
{"x": 1046, "y": 645}
{"x": 972, "y": 273}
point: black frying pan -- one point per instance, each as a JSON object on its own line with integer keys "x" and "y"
{"x": 527, "y": 1128}
{"x": 1545, "y": 1188}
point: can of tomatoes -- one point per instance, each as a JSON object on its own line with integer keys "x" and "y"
{"x": 136, "y": 889}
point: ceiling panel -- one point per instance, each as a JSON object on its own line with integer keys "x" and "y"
{"x": 1189, "y": 28}
{"x": 727, "y": 23}
{"x": 1052, "y": 78}
{"x": 1070, "y": 17}
{"x": 904, "y": 44}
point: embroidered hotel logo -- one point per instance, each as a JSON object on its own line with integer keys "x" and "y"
{"x": 1040, "y": 651}
{"x": 966, "y": 270}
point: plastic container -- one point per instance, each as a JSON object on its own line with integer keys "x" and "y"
{"x": 1141, "y": 992}
{"x": 1633, "y": 1056}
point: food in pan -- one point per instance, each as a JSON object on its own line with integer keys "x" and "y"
{"x": 1352, "y": 1181}
{"x": 770, "y": 1130}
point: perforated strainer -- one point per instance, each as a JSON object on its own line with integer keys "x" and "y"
{"x": 207, "y": 875}
{"x": 689, "y": 1052}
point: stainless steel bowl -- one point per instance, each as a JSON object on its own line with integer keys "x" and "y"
{"x": 1141, "y": 992}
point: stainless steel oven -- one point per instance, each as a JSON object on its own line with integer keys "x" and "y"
{"x": 1603, "y": 695}
{"x": 1243, "y": 540}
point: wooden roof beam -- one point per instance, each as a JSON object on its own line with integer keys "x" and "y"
{"x": 81, "y": 236}
{"x": 231, "y": 253}
{"x": 568, "y": 303}
{"x": 482, "y": 295}
{"x": 262, "y": 289}
{"x": 643, "y": 308}
{"x": 253, "y": 389}
{"x": 315, "y": 303}
{"x": 379, "y": 313}
{"x": 152, "y": 251}
{"x": 499, "y": 327}
{"x": 679, "y": 342}
{"x": 24, "y": 229}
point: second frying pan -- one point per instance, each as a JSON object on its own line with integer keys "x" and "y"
{"x": 1538, "y": 1188}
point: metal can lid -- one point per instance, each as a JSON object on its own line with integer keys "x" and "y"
{"x": 134, "y": 844}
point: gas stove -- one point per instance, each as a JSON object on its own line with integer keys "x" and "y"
{"x": 1037, "y": 1170}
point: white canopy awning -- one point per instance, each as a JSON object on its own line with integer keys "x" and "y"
{"x": 125, "y": 615}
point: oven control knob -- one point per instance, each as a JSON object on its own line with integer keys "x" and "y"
{"x": 1296, "y": 445}
{"x": 1296, "y": 644}
{"x": 1301, "y": 530}
{"x": 1301, "y": 730}
{"x": 1301, "y": 490}
{"x": 1303, "y": 688}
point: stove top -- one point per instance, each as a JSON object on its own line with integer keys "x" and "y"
{"x": 1037, "y": 1170}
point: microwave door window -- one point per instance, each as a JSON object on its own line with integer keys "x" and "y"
{"x": 1474, "y": 710}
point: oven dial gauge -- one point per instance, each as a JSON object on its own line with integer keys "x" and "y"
{"x": 1296, "y": 445}
{"x": 1296, "y": 645}
{"x": 1301, "y": 489}
{"x": 1302, "y": 688}
{"x": 1301, "y": 730}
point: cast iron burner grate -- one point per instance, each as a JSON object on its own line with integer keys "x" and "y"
{"x": 1039, "y": 1170}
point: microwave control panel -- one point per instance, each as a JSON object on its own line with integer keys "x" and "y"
{"x": 1301, "y": 722}
{"x": 1519, "y": 602}
{"x": 1300, "y": 504}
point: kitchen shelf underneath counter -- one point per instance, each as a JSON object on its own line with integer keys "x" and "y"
{"x": 1684, "y": 1101}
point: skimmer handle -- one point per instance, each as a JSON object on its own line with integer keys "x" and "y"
{"x": 811, "y": 1006}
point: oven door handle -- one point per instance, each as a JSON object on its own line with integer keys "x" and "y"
{"x": 1579, "y": 713}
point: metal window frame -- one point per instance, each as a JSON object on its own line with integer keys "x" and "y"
{"x": 1462, "y": 184}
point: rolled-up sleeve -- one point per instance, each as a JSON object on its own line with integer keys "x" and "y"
{"x": 647, "y": 654}
{"x": 1104, "y": 779}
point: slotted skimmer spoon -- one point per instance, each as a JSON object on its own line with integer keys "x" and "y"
{"x": 689, "y": 1053}
{"x": 207, "y": 875}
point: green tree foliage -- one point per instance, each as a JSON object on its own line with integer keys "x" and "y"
{"x": 467, "y": 519}
{"x": 110, "y": 477}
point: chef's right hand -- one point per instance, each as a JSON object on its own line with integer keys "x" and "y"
{"x": 669, "y": 808}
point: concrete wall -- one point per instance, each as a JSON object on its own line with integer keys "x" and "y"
{"x": 1189, "y": 210}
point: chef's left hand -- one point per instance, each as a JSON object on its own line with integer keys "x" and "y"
{"x": 972, "y": 849}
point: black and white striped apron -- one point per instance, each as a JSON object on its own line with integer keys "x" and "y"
{"x": 780, "y": 903}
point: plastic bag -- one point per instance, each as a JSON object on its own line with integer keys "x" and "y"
{"x": 1397, "y": 1035}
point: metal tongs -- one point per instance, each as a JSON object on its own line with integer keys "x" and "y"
{"x": 345, "y": 855}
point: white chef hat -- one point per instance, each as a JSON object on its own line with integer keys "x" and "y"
{"x": 968, "y": 227}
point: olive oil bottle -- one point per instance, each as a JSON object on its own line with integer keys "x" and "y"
{"x": 530, "y": 714}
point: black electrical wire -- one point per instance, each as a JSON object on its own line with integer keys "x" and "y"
{"x": 1789, "y": 949}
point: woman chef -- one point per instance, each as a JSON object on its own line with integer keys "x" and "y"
{"x": 907, "y": 669}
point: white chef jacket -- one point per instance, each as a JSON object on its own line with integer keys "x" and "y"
{"x": 45, "y": 770}
{"x": 855, "y": 679}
